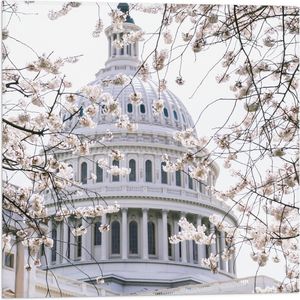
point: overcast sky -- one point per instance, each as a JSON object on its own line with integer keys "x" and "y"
{"x": 72, "y": 35}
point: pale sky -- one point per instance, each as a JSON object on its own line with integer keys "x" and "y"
{"x": 72, "y": 35}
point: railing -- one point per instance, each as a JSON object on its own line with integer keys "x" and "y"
{"x": 234, "y": 286}
{"x": 67, "y": 286}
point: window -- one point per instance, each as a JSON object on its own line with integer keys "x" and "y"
{"x": 175, "y": 115}
{"x": 190, "y": 182}
{"x": 132, "y": 166}
{"x": 129, "y": 108}
{"x": 84, "y": 173}
{"x": 178, "y": 178}
{"x": 169, "y": 244}
{"x": 148, "y": 169}
{"x": 115, "y": 237}
{"x": 164, "y": 175}
{"x": 166, "y": 113}
{"x": 78, "y": 241}
{"x": 68, "y": 244}
{"x": 54, "y": 248}
{"x": 183, "y": 118}
{"x": 99, "y": 174}
{"x": 129, "y": 49}
{"x": 201, "y": 187}
{"x": 133, "y": 237}
{"x": 97, "y": 234}
{"x": 142, "y": 108}
{"x": 9, "y": 260}
{"x": 151, "y": 238}
{"x": 80, "y": 111}
{"x": 180, "y": 245}
{"x": 195, "y": 251}
{"x": 116, "y": 177}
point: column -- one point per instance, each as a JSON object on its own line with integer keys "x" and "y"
{"x": 65, "y": 229}
{"x": 86, "y": 241}
{"x": 104, "y": 240}
{"x": 165, "y": 235}
{"x": 213, "y": 247}
{"x": 176, "y": 246}
{"x": 222, "y": 247}
{"x": 48, "y": 250}
{"x": 145, "y": 234}
{"x": 30, "y": 275}
{"x": 19, "y": 280}
{"x": 124, "y": 234}
{"x": 183, "y": 248}
{"x": 231, "y": 267}
{"x": 201, "y": 247}
{"x": 58, "y": 243}
{"x": 191, "y": 252}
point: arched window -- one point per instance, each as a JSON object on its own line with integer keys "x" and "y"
{"x": 142, "y": 108}
{"x": 133, "y": 237}
{"x": 116, "y": 177}
{"x": 151, "y": 238}
{"x": 132, "y": 166}
{"x": 97, "y": 234}
{"x": 54, "y": 248}
{"x": 84, "y": 173}
{"x": 175, "y": 115}
{"x": 190, "y": 182}
{"x": 178, "y": 178}
{"x": 164, "y": 175}
{"x": 166, "y": 113}
{"x": 115, "y": 237}
{"x": 148, "y": 170}
{"x": 129, "y": 108}
{"x": 169, "y": 244}
{"x": 99, "y": 174}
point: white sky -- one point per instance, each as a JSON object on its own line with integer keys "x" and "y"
{"x": 72, "y": 35}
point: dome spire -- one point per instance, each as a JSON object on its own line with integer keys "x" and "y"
{"x": 122, "y": 55}
{"x": 124, "y": 8}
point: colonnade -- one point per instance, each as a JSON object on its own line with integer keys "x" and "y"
{"x": 186, "y": 252}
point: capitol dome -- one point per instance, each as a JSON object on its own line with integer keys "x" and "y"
{"x": 135, "y": 255}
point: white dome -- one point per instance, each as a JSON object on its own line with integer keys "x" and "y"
{"x": 173, "y": 116}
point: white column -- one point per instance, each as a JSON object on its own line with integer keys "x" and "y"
{"x": 231, "y": 268}
{"x": 222, "y": 247}
{"x": 86, "y": 243}
{"x": 191, "y": 251}
{"x": 104, "y": 245}
{"x": 65, "y": 229}
{"x": 176, "y": 246}
{"x": 201, "y": 247}
{"x": 145, "y": 234}
{"x": 165, "y": 234}
{"x": 48, "y": 250}
{"x": 213, "y": 247}
{"x": 30, "y": 275}
{"x": 183, "y": 248}
{"x": 19, "y": 280}
{"x": 58, "y": 243}
{"x": 124, "y": 234}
